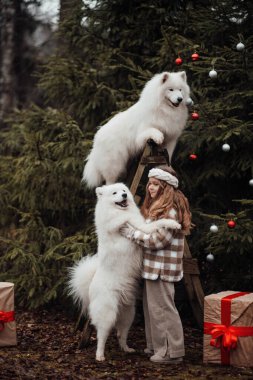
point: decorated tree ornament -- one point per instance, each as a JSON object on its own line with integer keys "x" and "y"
{"x": 193, "y": 157}
{"x": 240, "y": 46}
{"x": 251, "y": 182}
{"x": 210, "y": 257}
{"x": 231, "y": 224}
{"x": 178, "y": 61}
{"x": 214, "y": 228}
{"x": 213, "y": 74}
{"x": 226, "y": 147}
{"x": 189, "y": 102}
{"x": 195, "y": 56}
{"x": 195, "y": 116}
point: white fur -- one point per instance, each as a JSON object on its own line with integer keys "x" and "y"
{"x": 158, "y": 115}
{"x": 106, "y": 284}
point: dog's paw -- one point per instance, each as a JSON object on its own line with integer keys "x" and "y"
{"x": 100, "y": 358}
{"x": 169, "y": 224}
{"x": 157, "y": 137}
{"x": 173, "y": 225}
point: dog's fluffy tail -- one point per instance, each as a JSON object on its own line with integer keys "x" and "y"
{"x": 91, "y": 176}
{"x": 81, "y": 276}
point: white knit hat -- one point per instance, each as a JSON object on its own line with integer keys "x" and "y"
{"x": 163, "y": 176}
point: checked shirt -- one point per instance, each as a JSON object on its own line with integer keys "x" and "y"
{"x": 163, "y": 254}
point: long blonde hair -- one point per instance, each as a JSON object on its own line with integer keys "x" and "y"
{"x": 167, "y": 198}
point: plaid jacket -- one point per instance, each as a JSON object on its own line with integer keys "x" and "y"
{"x": 163, "y": 254}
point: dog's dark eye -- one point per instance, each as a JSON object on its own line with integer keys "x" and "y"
{"x": 180, "y": 89}
{"x": 171, "y": 89}
{"x": 115, "y": 192}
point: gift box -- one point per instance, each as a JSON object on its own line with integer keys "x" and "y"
{"x": 8, "y": 335}
{"x": 228, "y": 328}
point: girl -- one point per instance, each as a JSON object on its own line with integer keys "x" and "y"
{"x": 162, "y": 264}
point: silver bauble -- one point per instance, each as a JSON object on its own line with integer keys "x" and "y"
{"x": 214, "y": 228}
{"x": 210, "y": 257}
{"x": 189, "y": 102}
{"x": 226, "y": 147}
{"x": 240, "y": 46}
{"x": 213, "y": 74}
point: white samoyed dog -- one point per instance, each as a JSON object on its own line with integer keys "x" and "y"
{"x": 106, "y": 284}
{"x": 160, "y": 114}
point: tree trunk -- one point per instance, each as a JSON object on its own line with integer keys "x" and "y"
{"x": 7, "y": 54}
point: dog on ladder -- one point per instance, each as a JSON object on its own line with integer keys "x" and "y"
{"x": 160, "y": 114}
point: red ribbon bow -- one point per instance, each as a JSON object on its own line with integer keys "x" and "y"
{"x": 225, "y": 336}
{"x": 5, "y": 317}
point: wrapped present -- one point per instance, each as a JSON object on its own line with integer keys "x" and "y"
{"x": 8, "y": 336}
{"x": 228, "y": 328}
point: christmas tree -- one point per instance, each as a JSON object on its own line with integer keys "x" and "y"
{"x": 220, "y": 176}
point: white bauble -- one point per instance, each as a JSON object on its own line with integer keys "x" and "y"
{"x": 214, "y": 228}
{"x": 213, "y": 74}
{"x": 226, "y": 147}
{"x": 240, "y": 46}
{"x": 189, "y": 102}
{"x": 210, "y": 257}
{"x": 251, "y": 182}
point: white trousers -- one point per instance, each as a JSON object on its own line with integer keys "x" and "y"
{"x": 163, "y": 326}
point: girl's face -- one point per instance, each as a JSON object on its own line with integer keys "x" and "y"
{"x": 153, "y": 187}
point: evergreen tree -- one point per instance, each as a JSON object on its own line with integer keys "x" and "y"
{"x": 104, "y": 58}
{"x": 7, "y": 48}
{"x": 219, "y": 180}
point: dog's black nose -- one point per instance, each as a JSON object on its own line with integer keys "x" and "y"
{"x": 179, "y": 99}
{"x": 124, "y": 195}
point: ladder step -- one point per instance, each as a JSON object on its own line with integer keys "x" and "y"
{"x": 153, "y": 160}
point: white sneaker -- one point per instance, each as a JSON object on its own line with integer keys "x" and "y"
{"x": 166, "y": 359}
{"x": 148, "y": 351}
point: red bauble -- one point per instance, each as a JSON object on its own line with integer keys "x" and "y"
{"x": 195, "y": 116}
{"x": 231, "y": 224}
{"x": 178, "y": 61}
{"x": 193, "y": 157}
{"x": 195, "y": 56}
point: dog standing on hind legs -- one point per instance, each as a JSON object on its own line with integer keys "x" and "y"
{"x": 106, "y": 284}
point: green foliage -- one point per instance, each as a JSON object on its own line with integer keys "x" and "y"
{"x": 43, "y": 202}
{"x": 232, "y": 250}
{"x": 47, "y": 149}
{"x": 104, "y": 58}
{"x": 37, "y": 259}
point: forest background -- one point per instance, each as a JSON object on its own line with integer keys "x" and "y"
{"x": 53, "y": 96}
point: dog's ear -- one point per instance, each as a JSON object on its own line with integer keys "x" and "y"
{"x": 165, "y": 77}
{"x": 183, "y": 75}
{"x": 99, "y": 192}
